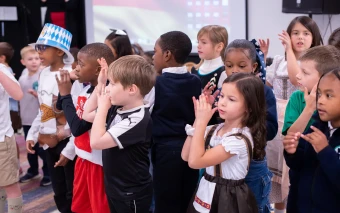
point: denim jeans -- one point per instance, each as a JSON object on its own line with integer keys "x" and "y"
{"x": 258, "y": 180}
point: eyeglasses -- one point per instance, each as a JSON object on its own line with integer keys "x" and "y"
{"x": 41, "y": 47}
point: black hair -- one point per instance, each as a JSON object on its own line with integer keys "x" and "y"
{"x": 98, "y": 50}
{"x": 7, "y": 50}
{"x": 178, "y": 43}
{"x": 242, "y": 44}
{"x": 121, "y": 44}
{"x": 252, "y": 89}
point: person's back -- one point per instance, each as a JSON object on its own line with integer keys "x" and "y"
{"x": 173, "y": 109}
{"x": 173, "y": 105}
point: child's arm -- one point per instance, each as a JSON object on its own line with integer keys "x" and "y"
{"x": 292, "y": 64}
{"x": 11, "y": 85}
{"x": 329, "y": 159}
{"x": 302, "y": 121}
{"x": 271, "y": 117}
{"x": 100, "y": 138}
{"x": 198, "y": 156}
{"x": 77, "y": 125}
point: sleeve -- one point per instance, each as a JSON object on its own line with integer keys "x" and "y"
{"x": 330, "y": 163}
{"x": 69, "y": 150}
{"x": 150, "y": 98}
{"x": 270, "y": 70}
{"x": 131, "y": 130}
{"x": 271, "y": 118}
{"x": 190, "y": 130}
{"x": 221, "y": 79}
{"x": 34, "y": 130}
{"x": 77, "y": 125}
{"x": 5, "y": 70}
{"x": 292, "y": 113}
{"x": 234, "y": 145}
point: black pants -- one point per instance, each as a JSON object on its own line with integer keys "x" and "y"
{"x": 174, "y": 181}
{"x": 33, "y": 158}
{"x": 61, "y": 177}
{"x": 140, "y": 205}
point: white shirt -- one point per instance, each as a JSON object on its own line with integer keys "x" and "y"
{"x": 209, "y": 66}
{"x": 47, "y": 87}
{"x": 5, "y": 118}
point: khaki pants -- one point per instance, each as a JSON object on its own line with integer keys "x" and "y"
{"x": 9, "y": 166}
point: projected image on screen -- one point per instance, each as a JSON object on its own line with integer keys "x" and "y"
{"x": 146, "y": 20}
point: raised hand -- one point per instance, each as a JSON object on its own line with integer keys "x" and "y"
{"x": 291, "y": 141}
{"x": 310, "y": 98}
{"x": 207, "y": 91}
{"x": 64, "y": 83}
{"x": 285, "y": 40}
{"x": 104, "y": 100}
{"x": 203, "y": 109}
{"x": 102, "y": 78}
{"x": 264, "y": 46}
{"x": 317, "y": 139}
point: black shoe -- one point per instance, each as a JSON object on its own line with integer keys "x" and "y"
{"x": 28, "y": 177}
{"x": 46, "y": 181}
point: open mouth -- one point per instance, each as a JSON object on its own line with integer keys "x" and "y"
{"x": 300, "y": 43}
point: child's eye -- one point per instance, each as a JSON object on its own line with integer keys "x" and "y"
{"x": 329, "y": 95}
{"x": 306, "y": 34}
{"x": 242, "y": 67}
{"x": 231, "y": 99}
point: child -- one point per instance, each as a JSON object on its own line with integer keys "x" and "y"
{"x": 29, "y": 108}
{"x": 212, "y": 41}
{"x": 88, "y": 186}
{"x": 301, "y": 106}
{"x": 241, "y": 56}
{"x": 225, "y": 149}
{"x": 125, "y": 137}
{"x": 49, "y": 127}
{"x": 119, "y": 43}
{"x": 9, "y": 165}
{"x": 334, "y": 38}
{"x": 302, "y": 34}
{"x": 172, "y": 110}
{"x": 315, "y": 154}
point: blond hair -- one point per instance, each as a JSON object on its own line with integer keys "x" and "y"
{"x": 217, "y": 34}
{"x": 133, "y": 69}
{"x": 25, "y": 50}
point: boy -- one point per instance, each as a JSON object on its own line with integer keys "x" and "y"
{"x": 49, "y": 127}
{"x": 301, "y": 106}
{"x": 88, "y": 185}
{"x": 174, "y": 181}
{"x": 126, "y": 139}
{"x": 9, "y": 165}
{"x": 29, "y": 107}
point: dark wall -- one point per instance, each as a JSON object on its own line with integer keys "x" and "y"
{"x": 24, "y": 31}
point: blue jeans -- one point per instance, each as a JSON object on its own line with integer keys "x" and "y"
{"x": 258, "y": 180}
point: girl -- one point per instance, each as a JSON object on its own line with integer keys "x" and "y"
{"x": 302, "y": 34}
{"x": 316, "y": 154}
{"x": 241, "y": 56}
{"x": 229, "y": 145}
{"x": 334, "y": 38}
{"x": 119, "y": 42}
{"x": 212, "y": 41}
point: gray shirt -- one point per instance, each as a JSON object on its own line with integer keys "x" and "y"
{"x": 29, "y": 105}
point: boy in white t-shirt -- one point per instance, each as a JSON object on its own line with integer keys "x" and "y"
{"x": 9, "y": 165}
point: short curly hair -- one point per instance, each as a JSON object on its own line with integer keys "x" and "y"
{"x": 98, "y": 50}
{"x": 178, "y": 43}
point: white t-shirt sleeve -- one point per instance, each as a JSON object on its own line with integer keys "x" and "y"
{"x": 150, "y": 98}
{"x": 270, "y": 70}
{"x": 222, "y": 78}
{"x": 5, "y": 70}
{"x": 234, "y": 145}
{"x": 190, "y": 130}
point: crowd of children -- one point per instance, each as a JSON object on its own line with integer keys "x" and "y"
{"x": 229, "y": 135}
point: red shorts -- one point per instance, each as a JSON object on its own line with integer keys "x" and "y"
{"x": 88, "y": 188}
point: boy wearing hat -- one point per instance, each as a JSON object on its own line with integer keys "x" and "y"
{"x": 49, "y": 127}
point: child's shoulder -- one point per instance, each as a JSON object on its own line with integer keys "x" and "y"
{"x": 298, "y": 96}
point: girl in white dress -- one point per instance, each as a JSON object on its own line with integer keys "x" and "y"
{"x": 225, "y": 149}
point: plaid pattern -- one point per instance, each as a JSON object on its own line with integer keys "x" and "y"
{"x": 56, "y": 36}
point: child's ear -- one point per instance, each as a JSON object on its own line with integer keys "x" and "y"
{"x": 23, "y": 62}
{"x": 133, "y": 89}
{"x": 219, "y": 47}
{"x": 167, "y": 55}
{"x": 2, "y": 58}
{"x": 60, "y": 52}
{"x": 255, "y": 66}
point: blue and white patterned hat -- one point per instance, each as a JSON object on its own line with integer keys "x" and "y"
{"x": 58, "y": 37}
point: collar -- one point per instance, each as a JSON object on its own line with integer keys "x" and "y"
{"x": 120, "y": 111}
{"x": 209, "y": 66}
{"x": 90, "y": 90}
{"x": 331, "y": 128}
{"x": 175, "y": 70}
